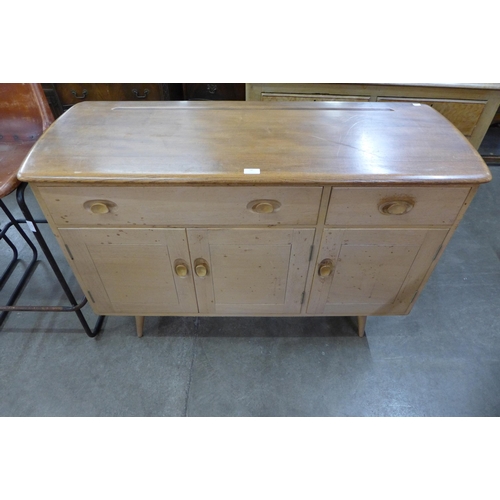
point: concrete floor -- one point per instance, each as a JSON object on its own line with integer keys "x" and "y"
{"x": 441, "y": 360}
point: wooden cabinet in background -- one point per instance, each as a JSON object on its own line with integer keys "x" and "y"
{"x": 214, "y": 91}
{"x": 61, "y": 96}
{"x": 72, "y": 93}
{"x": 470, "y": 107}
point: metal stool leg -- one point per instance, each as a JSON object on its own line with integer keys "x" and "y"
{"x": 75, "y": 307}
{"x": 13, "y": 261}
{"x": 31, "y": 266}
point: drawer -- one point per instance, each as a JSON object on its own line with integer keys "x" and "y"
{"x": 464, "y": 115}
{"x": 214, "y": 91}
{"x": 391, "y": 206}
{"x": 282, "y": 96}
{"x": 73, "y": 93}
{"x": 172, "y": 206}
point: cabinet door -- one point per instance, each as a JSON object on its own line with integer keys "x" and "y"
{"x": 133, "y": 271}
{"x": 372, "y": 271}
{"x": 250, "y": 271}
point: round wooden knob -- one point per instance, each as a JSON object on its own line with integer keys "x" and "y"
{"x": 263, "y": 207}
{"x": 99, "y": 208}
{"x": 181, "y": 270}
{"x": 396, "y": 207}
{"x": 325, "y": 268}
{"x": 201, "y": 270}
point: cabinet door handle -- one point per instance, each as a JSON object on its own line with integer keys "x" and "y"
{"x": 201, "y": 270}
{"x": 264, "y": 206}
{"x": 181, "y": 270}
{"x": 325, "y": 268}
{"x": 136, "y": 93}
{"x": 83, "y": 96}
{"x": 396, "y": 207}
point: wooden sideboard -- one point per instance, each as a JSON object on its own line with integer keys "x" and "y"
{"x": 253, "y": 208}
{"x": 470, "y": 107}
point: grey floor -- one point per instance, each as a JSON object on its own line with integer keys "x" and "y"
{"x": 441, "y": 360}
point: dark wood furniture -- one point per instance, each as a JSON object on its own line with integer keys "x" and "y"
{"x": 214, "y": 91}
{"x": 61, "y": 96}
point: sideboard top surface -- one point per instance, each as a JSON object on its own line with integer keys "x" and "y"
{"x": 253, "y": 143}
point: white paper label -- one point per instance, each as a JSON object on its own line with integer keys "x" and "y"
{"x": 31, "y": 226}
{"x": 251, "y": 171}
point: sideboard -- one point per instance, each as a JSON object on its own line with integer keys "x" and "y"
{"x": 253, "y": 208}
{"x": 471, "y": 107}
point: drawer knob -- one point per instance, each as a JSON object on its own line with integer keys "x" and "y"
{"x": 325, "y": 268}
{"x": 396, "y": 207}
{"x": 201, "y": 270}
{"x": 99, "y": 208}
{"x": 181, "y": 270}
{"x": 264, "y": 206}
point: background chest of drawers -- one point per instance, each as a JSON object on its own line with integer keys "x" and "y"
{"x": 175, "y": 223}
{"x": 62, "y": 96}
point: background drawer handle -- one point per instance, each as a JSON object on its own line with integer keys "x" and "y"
{"x": 83, "y": 96}
{"x": 395, "y": 207}
{"x": 264, "y": 206}
{"x": 99, "y": 206}
{"x": 136, "y": 93}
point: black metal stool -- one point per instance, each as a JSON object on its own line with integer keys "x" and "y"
{"x": 24, "y": 116}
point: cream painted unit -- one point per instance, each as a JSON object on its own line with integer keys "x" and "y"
{"x": 471, "y": 107}
{"x": 282, "y": 96}
{"x": 272, "y": 208}
{"x": 464, "y": 114}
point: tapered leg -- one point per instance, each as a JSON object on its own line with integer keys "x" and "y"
{"x": 361, "y": 325}
{"x": 139, "y": 325}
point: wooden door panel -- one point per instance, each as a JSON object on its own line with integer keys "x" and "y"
{"x": 263, "y": 268}
{"x": 251, "y": 271}
{"x": 131, "y": 271}
{"x": 375, "y": 271}
{"x": 380, "y": 278}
